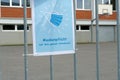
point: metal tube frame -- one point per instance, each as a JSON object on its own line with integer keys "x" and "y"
{"x": 118, "y": 36}
{"x": 97, "y": 39}
{"x": 51, "y": 68}
{"x": 25, "y": 42}
{"x": 75, "y": 54}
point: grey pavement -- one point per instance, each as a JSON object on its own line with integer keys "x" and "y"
{"x": 12, "y": 63}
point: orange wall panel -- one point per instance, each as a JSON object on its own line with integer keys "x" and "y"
{"x": 10, "y": 12}
{"x": 15, "y": 12}
{"x": 83, "y": 14}
{"x": 108, "y": 17}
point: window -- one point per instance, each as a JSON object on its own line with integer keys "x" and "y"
{"x": 5, "y": 2}
{"x": 15, "y": 2}
{"x": 87, "y": 5}
{"x": 85, "y": 27}
{"x": 113, "y": 2}
{"x": 79, "y": 4}
{"x": 99, "y": 1}
{"x": 108, "y": 2}
{"x": 82, "y": 28}
{"x": 77, "y": 27}
{"x": 27, "y": 3}
{"x": 18, "y": 3}
{"x": 21, "y": 27}
{"x": 13, "y": 28}
{"x": 82, "y": 4}
{"x": 104, "y": 1}
{"x": 8, "y": 27}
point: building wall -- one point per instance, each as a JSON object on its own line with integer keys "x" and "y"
{"x": 14, "y": 37}
{"x": 83, "y": 37}
{"x": 14, "y": 15}
{"x": 83, "y": 14}
{"x": 83, "y": 17}
{"x": 106, "y": 33}
{"x": 13, "y": 12}
{"x": 105, "y": 36}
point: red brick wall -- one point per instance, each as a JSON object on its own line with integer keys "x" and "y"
{"x": 87, "y": 14}
{"x": 14, "y": 12}
{"x": 83, "y": 14}
{"x": 108, "y": 17}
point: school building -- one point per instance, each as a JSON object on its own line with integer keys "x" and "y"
{"x": 12, "y": 25}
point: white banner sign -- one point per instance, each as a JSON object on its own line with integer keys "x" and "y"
{"x": 53, "y": 27}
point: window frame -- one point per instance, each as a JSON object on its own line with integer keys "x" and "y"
{"x": 83, "y": 5}
{"x": 28, "y": 27}
{"x": 3, "y": 5}
{"x": 110, "y": 2}
{"x": 103, "y": 2}
{"x": 20, "y": 4}
{"x": 7, "y": 30}
{"x": 16, "y": 28}
{"x": 80, "y": 29}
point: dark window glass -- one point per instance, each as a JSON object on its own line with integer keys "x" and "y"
{"x": 113, "y": 3}
{"x": 21, "y": 27}
{"x": 27, "y": 3}
{"x": 99, "y": 1}
{"x": 15, "y": 3}
{"x": 77, "y": 27}
{"x": 79, "y": 4}
{"x": 87, "y": 4}
{"x": 8, "y": 27}
{"x": 5, "y": 2}
{"x": 85, "y": 27}
{"x": 106, "y": 2}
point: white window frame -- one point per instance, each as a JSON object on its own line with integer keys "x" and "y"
{"x": 3, "y": 5}
{"x": 20, "y": 4}
{"x": 8, "y": 30}
{"x": 103, "y": 2}
{"x": 21, "y": 30}
{"x": 16, "y": 30}
{"x": 83, "y": 5}
{"x": 78, "y": 28}
{"x": 81, "y": 29}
